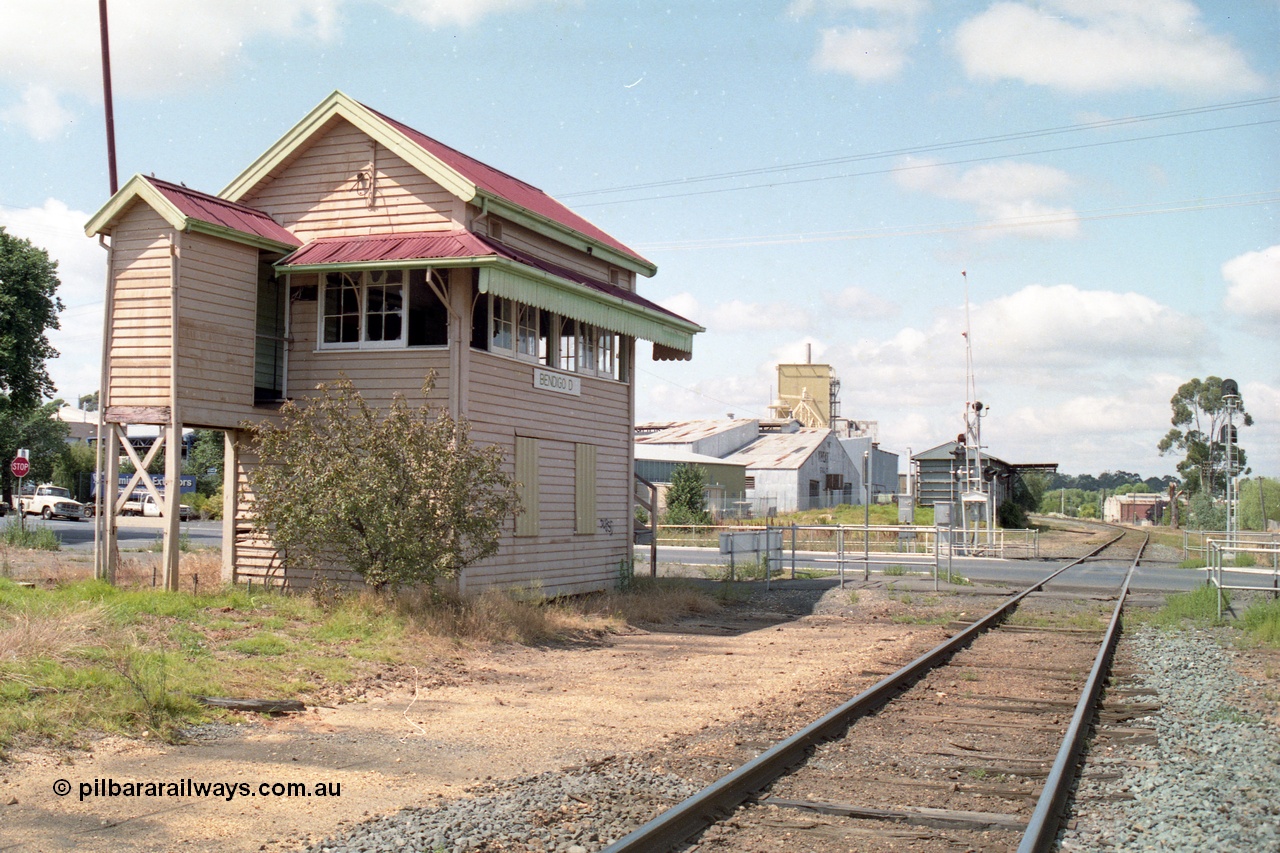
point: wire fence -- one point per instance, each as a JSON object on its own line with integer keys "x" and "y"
{"x": 1199, "y": 543}
{"x": 881, "y": 540}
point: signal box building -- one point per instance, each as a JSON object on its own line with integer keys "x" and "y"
{"x": 357, "y": 246}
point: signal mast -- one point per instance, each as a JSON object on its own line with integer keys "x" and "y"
{"x": 974, "y": 498}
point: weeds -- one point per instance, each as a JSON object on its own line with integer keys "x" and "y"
{"x": 147, "y": 674}
{"x": 1199, "y": 607}
{"x": 91, "y": 657}
{"x": 34, "y": 536}
{"x": 895, "y": 571}
{"x": 1261, "y": 623}
{"x": 627, "y": 572}
{"x": 1227, "y": 714}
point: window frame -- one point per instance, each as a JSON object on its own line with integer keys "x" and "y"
{"x": 366, "y": 283}
{"x": 527, "y": 333}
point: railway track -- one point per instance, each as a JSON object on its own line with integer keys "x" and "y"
{"x": 973, "y": 745}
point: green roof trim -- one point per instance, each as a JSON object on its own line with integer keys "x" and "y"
{"x": 520, "y": 283}
{"x": 513, "y": 280}
{"x": 340, "y": 105}
{"x": 138, "y": 188}
{"x": 201, "y": 227}
{"x": 135, "y": 188}
{"x": 549, "y": 228}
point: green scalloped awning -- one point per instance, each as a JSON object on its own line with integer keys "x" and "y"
{"x": 551, "y": 293}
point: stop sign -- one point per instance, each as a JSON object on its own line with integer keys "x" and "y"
{"x": 20, "y": 467}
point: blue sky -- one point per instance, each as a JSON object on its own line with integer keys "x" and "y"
{"x": 801, "y": 172}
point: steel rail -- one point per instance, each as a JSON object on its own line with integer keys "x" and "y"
{"x": 1042, "y": 828}
{"x": 699, "y": 811}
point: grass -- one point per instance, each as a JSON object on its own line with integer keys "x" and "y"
{"x": 89, "y": 657}
{"x": 1196, "y": 608}
{"x": 16, "y": 534}
{"x": 1226, "y": 714}
{"x": 895, "y": 571}
{"x": 1261, "y": 623}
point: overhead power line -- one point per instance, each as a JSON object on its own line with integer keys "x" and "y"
{"x": 1100, "y": 124}
{"x": 1032, "y": 221}
{"x": 932, "y": 164}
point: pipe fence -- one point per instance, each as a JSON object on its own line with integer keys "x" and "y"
{"x": 1233, "y": 565}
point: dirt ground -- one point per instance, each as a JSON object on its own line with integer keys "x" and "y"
{"x": 697, "y": 696}
{"x": 502, "y": 712}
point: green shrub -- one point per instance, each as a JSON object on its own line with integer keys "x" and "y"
{"x": 1261, "y": 622}
{"x": 37, "y": 537}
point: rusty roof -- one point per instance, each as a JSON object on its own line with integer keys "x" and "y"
{"x": 504, "y": 186}
{"x": 781, "y": 450}
{"x": 442, "y": 245}
{"x": 685, "y": 432}
{"x": 226, "y": 214}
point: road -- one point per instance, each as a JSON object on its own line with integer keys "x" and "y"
{"x": 1093, "y": 575}
{"x": 144, "y": 533}
{"x": 134, "y": 533}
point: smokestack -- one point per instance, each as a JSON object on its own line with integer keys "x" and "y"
{"x": 808, "y": 353}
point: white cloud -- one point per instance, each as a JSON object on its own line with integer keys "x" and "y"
{"x": 82, "y": 272}
{"x": 801, "y": 8}
{"x": 52, "y": 49}
{"x": 868, "y": 53}
{"x": 1262, "y": 440}
{"x": 39, "y": 113}
{"x": 684, "y": 304}
{"x": 1253, "y": 286}
{"x": 678, "y": 399}
{"x": 1074, "y": 376}
{"x": 863, "y": 304}
{"x": 807, "y": 349}
{"x": 1010, "y": 195}
{"x": 1084, "y": 46}
{"x": 1050, "y": 328}
{"x": 157, "y": 46}
{"x": 1112, "y": 430}
{"x": 459, "y": 13}
{"x": 737, "y": 317}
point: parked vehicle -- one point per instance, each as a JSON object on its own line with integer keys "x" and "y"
{"x": 143, "y": 503}
{"x": 51, "y": 501}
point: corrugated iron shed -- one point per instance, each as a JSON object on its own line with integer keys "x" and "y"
{"x": 781, "y": 450}
{"x": 686, "y": 432}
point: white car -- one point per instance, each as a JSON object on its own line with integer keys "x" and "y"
{"x": 51, "y": 501}
{"x": 142, "y": 503}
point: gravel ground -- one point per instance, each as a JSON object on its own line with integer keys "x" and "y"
{"x": 1210, "y": 784}
{"x": 560, "y": 812}
{"x": 1212, "y": 781}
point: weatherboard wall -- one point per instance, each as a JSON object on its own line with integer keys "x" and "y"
{"x": 140, "y": 345}
{"x": 217, "y": 311}
{"x": 557, "y": 559}
{"x": 319, "y": 191}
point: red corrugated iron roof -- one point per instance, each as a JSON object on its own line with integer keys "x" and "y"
{"x": 440, "y": 245}
{"x": 430, "y": 245}
{"x": 512, "y": 189}
{"x": 217, "y": 211}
